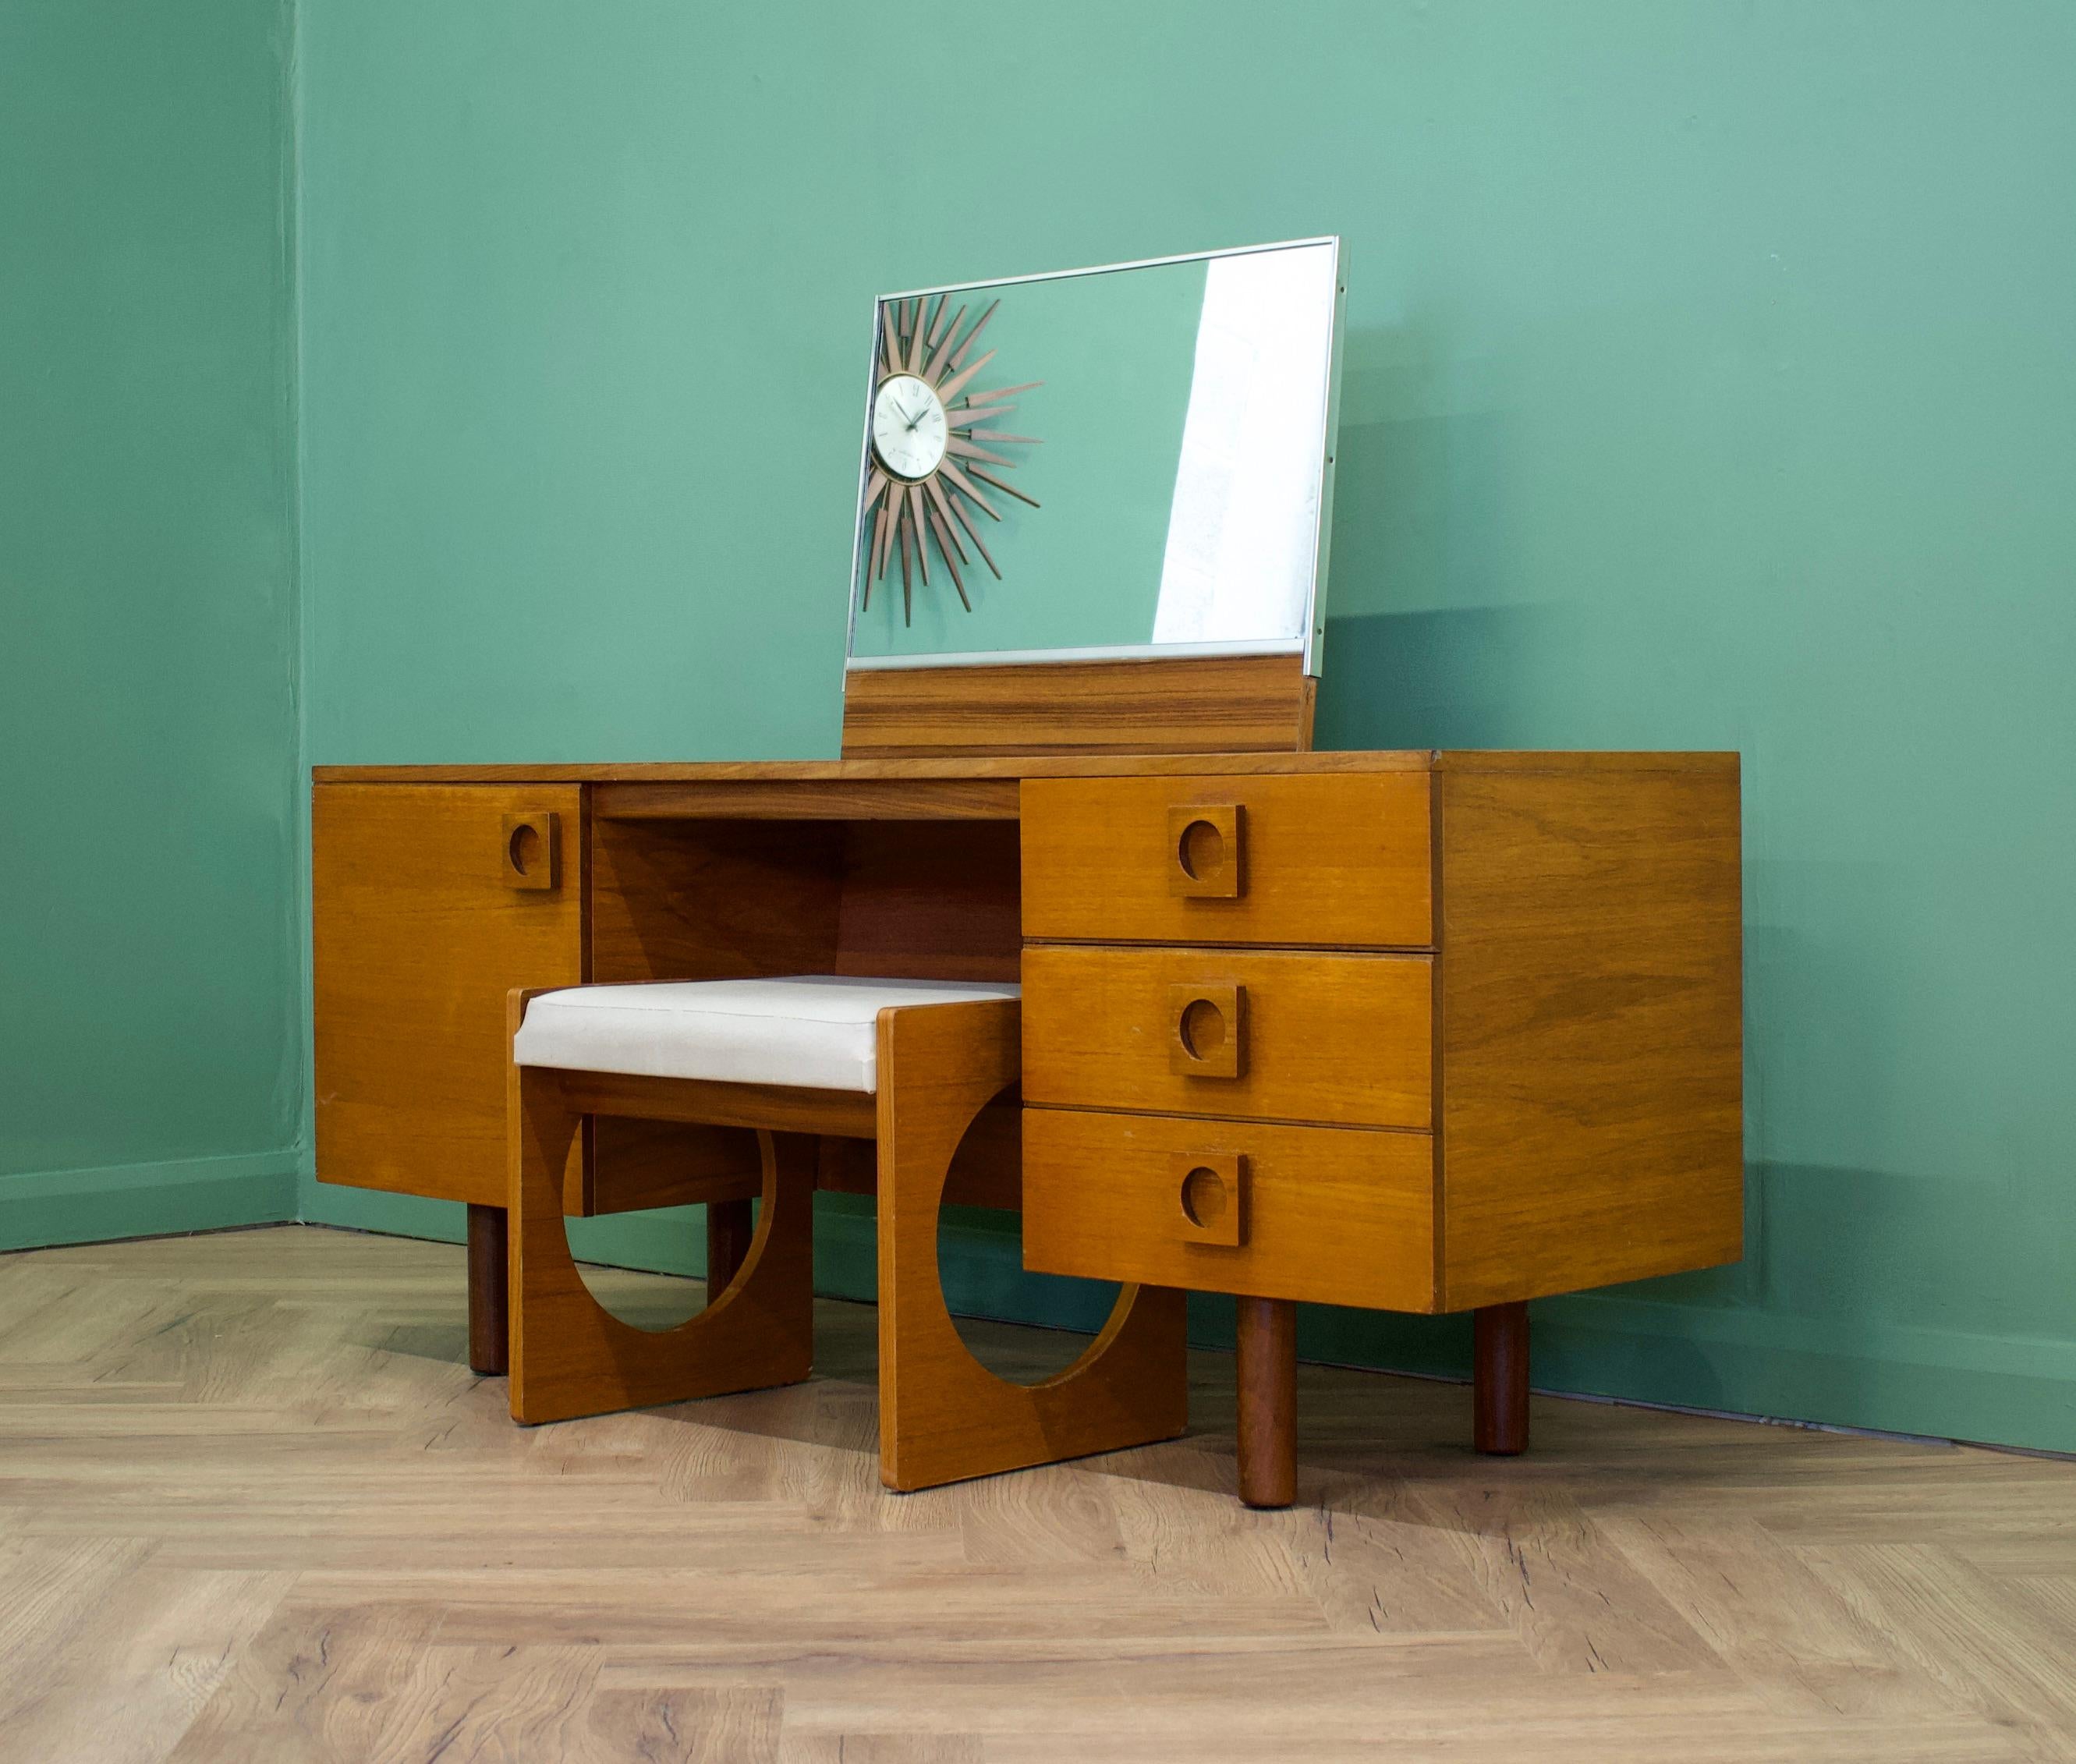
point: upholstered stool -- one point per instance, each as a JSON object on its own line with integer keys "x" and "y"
{"x": 909, "y": 1063}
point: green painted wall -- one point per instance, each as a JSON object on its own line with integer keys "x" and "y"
{"x": 150, "y": 1077}
{"x": 1710, "y": 377}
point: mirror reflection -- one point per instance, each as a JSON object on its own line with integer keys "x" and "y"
{"x": 1108, "y": 462}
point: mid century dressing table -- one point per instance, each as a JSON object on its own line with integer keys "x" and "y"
{"x": 1423, "y": 1031}
{"x": 1415, "y": 1031}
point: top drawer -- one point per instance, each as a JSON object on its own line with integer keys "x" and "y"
{"x": 1335, "y": 859}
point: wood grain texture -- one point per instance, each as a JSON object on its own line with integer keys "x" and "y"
{"x": 1339, "y": 1039}
{"x": 1265, "y": 1373}
{"x": 776, "y": 1108}
{"x": 1332, "y": 1215}
{"x": 849, "y": 799}
{"x": 1331, "y": 861}
{"x": 489, "y": 1293}
{"x": 1195, "y": 704}
{"x": 258, "y": 1510}
{"x": 571, "y": 1356}
{"x": 1589, "y": 1028}
{"x": 1498, "y": 1379}
{"x": 925, "y": 900}
{"x": 942, "y": 1415}
{"x": 417, "y": 939}
{"x": 1064, "y": 764}
{"x": 713, "y": 900}
{"x": 987, "y": 1169}
{"x": 636, "y": 1165}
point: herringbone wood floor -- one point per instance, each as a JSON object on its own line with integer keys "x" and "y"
{"x": 253, "y": 1507}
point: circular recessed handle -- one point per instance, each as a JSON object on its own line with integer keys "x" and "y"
{"x": 1207, "y": 1030}
{"x": 1202, "y": 1028}
{"x": 528, "y": 859}
{"x": 1202, "y": 850}
{"x": 1210, "y": 1198}
{"x": 1205, "y": 851}
{"x": 1205, "y": 1199}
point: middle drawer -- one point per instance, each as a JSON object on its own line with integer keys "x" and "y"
{"x": 1343, "y": 1040}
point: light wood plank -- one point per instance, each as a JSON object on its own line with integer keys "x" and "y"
{"x": 253, "y": 1506}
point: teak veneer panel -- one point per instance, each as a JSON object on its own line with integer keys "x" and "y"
{"x": 1330, "y": 1215}
{"x": 1168, "y": 705}
{"x": 846, "y": 799}
{"x": 1341, "y": 862}
{"x": 930, "y": 900}
{"x": 417, "y": 939}
{"x": 1339, "y": 1039}
{"x": 1589, "y": 1021}
{"x": 713, "y": 900}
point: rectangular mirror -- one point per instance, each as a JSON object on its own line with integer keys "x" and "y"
{"x": 1134, "y": 460}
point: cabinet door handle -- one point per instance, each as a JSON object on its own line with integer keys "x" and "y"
{"x": 531, "y": 850}
{"x": 1206, "y": 855}
{"x": 1207, "y": 1031}
{"x": 1210, "y": 1198}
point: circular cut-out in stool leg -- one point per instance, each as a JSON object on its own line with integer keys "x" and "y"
{"x": 655, "y": 1266}
{"x": 980, "y": 1264}
{"x": 943, "y": 1416}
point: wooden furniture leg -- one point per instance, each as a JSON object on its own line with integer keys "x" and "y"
{"x": 489, "y": 1312}
{"x": 1267, "y": 1374}
{"x": 943, "y": 1416}
{"x": 1498, "y": 1379}
{"x": 571, "y": 1356}
{"x": 730, "y": 1226}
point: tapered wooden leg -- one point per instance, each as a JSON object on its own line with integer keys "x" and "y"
{"x": 943, "y": 1416}
{"x": 1498, "y": 1379}
{"x": 489, "y": 1314}
{"x": 729, "y": 1228}
{"x": 1268, "y": 1389}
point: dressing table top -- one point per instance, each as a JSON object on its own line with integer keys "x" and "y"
{"x": 1021, "y": 766}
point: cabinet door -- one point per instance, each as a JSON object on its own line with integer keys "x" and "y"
{"x": 431, "y": 901}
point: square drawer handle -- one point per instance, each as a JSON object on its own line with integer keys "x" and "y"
{"x": 1207, "y": 1031}
{"x": 1205, "y": 852}
{"x": 1210, "y": 1198}
{"x": 529, "y": 850}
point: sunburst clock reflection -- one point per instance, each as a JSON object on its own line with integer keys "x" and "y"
{"x": 933, "y": 447}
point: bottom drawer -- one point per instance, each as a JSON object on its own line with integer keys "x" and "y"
{"x": 1332, "y": 1215}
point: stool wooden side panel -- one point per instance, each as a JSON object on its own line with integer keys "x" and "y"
{"x": 943, "y": 1416}
{"x": 571, "y": 1356}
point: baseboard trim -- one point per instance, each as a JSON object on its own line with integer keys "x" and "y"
{"x": 42, "y": 1208}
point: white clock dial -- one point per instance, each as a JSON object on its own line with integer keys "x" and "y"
{"x": 909, "y": 426}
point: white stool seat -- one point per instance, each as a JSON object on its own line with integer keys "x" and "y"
{"x": 816, "y": 1032}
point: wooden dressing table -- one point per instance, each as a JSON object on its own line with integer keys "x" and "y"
{"x": 1421, "y": 1031}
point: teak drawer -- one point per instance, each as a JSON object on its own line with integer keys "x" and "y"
{"x": 1329, "y": 1215}
{"x": 1341, "y": 860}
{"x": 1340, "y": 1038}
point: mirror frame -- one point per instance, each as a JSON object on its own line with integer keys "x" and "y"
{"x": 1311, "y": 644}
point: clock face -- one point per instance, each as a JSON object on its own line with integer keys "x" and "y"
{"x": 909, "y": 430}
